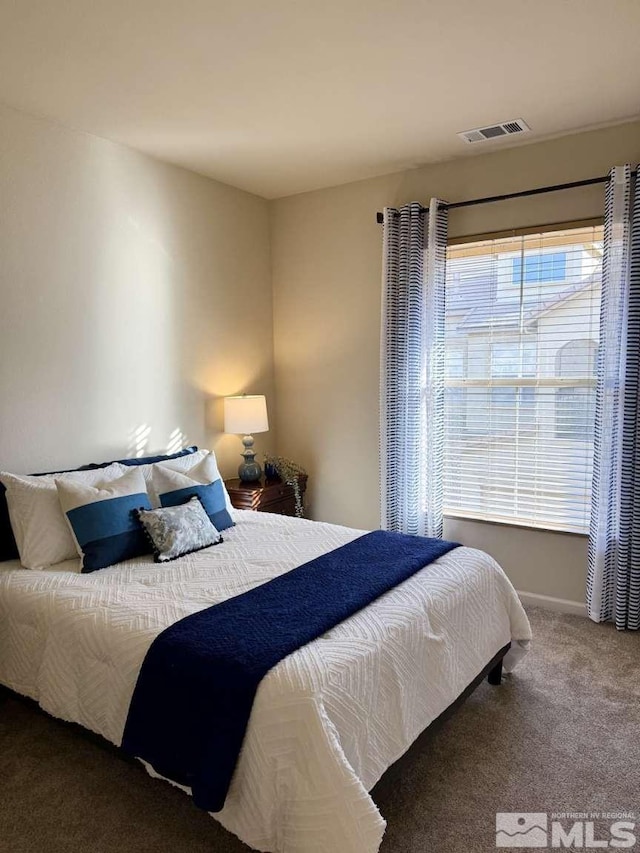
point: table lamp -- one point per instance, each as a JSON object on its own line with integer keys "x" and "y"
{"x": 244, "y": 415}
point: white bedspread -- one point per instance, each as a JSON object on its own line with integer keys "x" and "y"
{"x": 327, "y": 721}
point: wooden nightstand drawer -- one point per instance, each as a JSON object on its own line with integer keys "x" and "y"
{"x": 280, "y": 491}
{"x": 264, "y": 496}
{"x": 285, "y": 506}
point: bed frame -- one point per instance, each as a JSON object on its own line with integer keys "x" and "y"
{"x": 494, "y": 675}
{"x": 493, "y": 672}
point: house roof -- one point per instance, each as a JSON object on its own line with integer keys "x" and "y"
{"x": 505, "y": 312}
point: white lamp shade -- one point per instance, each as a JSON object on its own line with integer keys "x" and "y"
{"x": 246, "y": 414}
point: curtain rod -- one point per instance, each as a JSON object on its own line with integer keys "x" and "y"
{"x": 537, "y": 191}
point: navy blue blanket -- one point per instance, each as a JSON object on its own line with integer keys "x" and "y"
{"x": 192, "y": 701}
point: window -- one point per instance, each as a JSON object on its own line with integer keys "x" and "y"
{"x": 576, "y": 407}
{"x": 521, "y": 340}
{"x": 551, "y": 266}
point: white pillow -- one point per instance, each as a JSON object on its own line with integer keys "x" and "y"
{"x": 203, "y": 470}
{"x": 182, "y": 463}
{"x": 102, "y": 518}
{"x": 39, "y": 526}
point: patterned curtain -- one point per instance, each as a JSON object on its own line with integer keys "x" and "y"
{"x": 412, "y": 369}
{"x": 613, "y": 586}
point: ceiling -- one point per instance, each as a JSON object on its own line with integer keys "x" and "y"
{"x": 283, "y": 96}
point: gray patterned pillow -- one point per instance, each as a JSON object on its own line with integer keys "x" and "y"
{"x": 178, "y": 530}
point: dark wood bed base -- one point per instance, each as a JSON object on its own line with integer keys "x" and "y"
{"x": 493, "y": 671}
{"x": 494, "y": 676}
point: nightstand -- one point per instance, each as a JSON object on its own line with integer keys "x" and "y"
{"x": 264, "y": 495}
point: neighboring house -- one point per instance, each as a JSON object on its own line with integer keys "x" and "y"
{"x": 521, "y": 345}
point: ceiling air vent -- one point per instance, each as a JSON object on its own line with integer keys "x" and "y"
{"x": 507, "y": 128}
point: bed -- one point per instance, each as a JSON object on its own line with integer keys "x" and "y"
{"x": 327, "y": 721}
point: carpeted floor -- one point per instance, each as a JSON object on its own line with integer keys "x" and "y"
{"x": 560, "y": 734}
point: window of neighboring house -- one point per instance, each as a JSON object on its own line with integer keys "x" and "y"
{"x": 551, "y": 266}
{"x": 521, "y": 338}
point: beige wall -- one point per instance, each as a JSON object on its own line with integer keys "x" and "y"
{"x": 126, "y": 283}
{"x": 132, "y": 294}
{"x": 326, "y": 260}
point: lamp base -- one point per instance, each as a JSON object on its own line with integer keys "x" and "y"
{"x": 249, "y": 470}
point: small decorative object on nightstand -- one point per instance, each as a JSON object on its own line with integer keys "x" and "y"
{"x": 245, "y": 415}
{"x": 281, "y": 468}
{"x": 265, "y": 495}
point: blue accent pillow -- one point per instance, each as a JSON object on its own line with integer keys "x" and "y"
{"x": 203, "y": 481}
{"x": 103, "y": 519}
{"x": 211, "y": 497}
{"x": 8, "y": 547}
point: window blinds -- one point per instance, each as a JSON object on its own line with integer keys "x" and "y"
{"x": 521, "y": 341}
